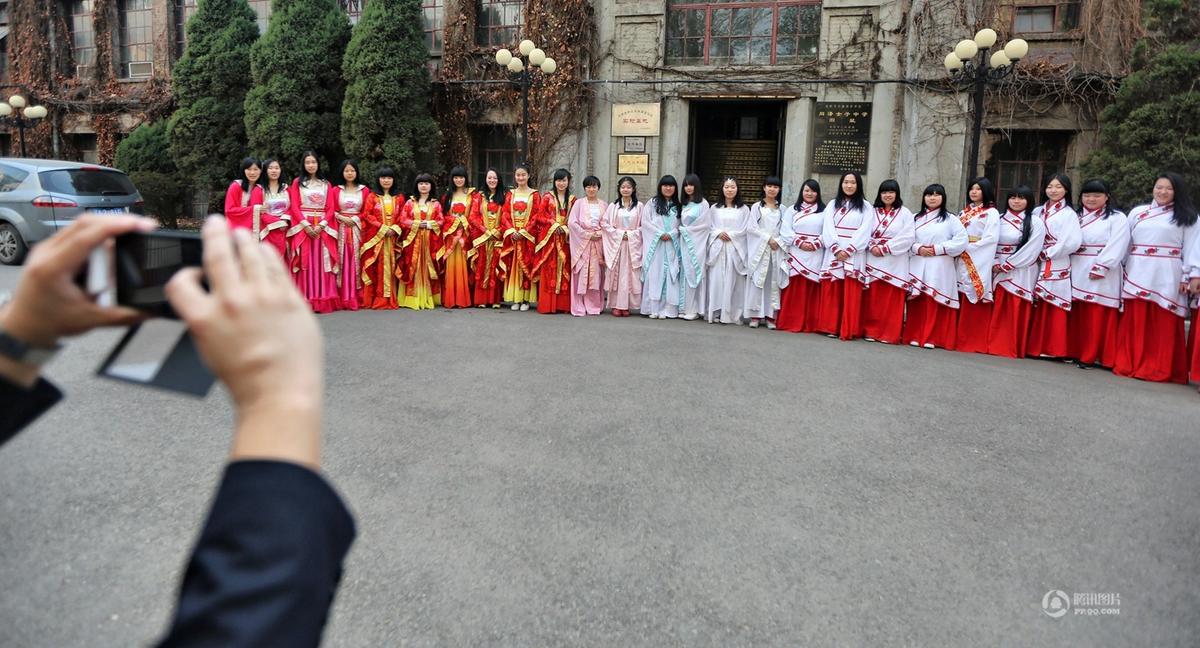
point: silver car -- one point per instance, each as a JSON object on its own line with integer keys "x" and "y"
{"x": 38, "y": 197}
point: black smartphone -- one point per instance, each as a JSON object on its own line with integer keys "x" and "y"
{"x": 143, "y": 263}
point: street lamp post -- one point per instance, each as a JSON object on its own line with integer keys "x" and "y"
{"x": 522, "y": 76}
{"x": 970, "y": 73}
{"x": 16, "y": 112}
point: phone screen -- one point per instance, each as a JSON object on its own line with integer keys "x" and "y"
{"x": 144, "y": 263}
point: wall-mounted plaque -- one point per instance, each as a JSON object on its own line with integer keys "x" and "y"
{"x": 635, "y": 144}
{"x": 635, "y": 119}
{"x": 841, "y": 137}
{"x": 633, "y": 164}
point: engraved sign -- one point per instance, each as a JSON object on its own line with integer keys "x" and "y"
{"x": 841, "y": 137}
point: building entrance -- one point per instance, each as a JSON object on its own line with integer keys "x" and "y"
{"x": 743, "y": 139}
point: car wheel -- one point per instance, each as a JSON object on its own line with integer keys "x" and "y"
{"x": 12, "y": 247}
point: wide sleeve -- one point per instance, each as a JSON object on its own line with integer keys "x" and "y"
{"x": 406, "y": 215}
{"x": 958, "y": 239}
{"x": 862, "y": 235}
{"x": 1028, "y": 254}
{"x": 1068, "y": 234}
{"x": 372, "y": 212}
{"x": 268, "y": 562}
{"x": 756, "y": 235}
{"x": 239, "y": 217}
{"x": 576, "y": 231}
{"x": 635, "y": 241}
{"x": 986, "y": 245}
{"x": 294, "y": 202}
{"x": 1113, "y": 254}
{"x": 904, "y": 234}
{"x": 1191, "y": 251}
{"x": 475, "y": 216}
{"x": 828, "y": 231}
{"x": 612, "y": 236}
{"x": 331, "y": 204}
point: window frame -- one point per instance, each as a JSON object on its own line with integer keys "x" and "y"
{"x": 481, "y": 6}
{"x": 434, "y": 36}
{"x": 125, "y": 44}
{"x": 485, "y": 134}
{"x": 1060, "y": 8}
{"x": 82, "y": 10}
{"x": 709, "y": 7}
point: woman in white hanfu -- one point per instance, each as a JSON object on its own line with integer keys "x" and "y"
{"x": 982, "y": 222}
{"x": 1096, "y": 278}
{"x": 726, "y": 257}
{"x": 800, "y": 230}
{"x": 1014, "y": 274}
{"x": 933, "y": 308}
{"x": 886, "y": 266}
{"x": 845, "y": 236}
{"x": 694, "y": 228}
{"x": 1048, "y": 331}
{"x": 766, "y": 265}
{"x": 661, "y": 294}
{"x": 623, "y": 249}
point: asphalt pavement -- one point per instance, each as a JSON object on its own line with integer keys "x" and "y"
{"x": 529, "y": 480}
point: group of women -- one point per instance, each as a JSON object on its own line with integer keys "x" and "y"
{"x": 1043, "y": 276}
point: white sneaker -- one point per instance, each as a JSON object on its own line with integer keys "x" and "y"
{"x": 869, "y": 339}
{"x": 754, "y": 323}
{"x": 929, "y": 345}
{"x": 516, "y": 307}
{"x": 914, "y": 343}
{"x": 770, "y": 325}
{"x": 689, "y": 317}
{"x": 652, "y": 316}
{"x": 524, "y": 307}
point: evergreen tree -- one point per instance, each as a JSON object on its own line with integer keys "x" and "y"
{"x": 386, "y": 114}
{"x": 145, "y": 155}
{"x": 296, "y": 100}
{"x": 1154, "y": 123}
{"x": 207, "y": 133}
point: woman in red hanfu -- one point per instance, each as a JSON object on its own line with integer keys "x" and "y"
{"x": 312, "y": 239}
{"x": 243, "y": 196}
{"x": 457, "y": 206}
{"x": 489, "y": 221}
{"x": 422, "y": 220}
{"x": 344, "y": 210}
{"x": 381, "y": 253}
{"x": 552, "y": 256}
{"x": 522, "y": 205}
{"x": 274, "y": 218}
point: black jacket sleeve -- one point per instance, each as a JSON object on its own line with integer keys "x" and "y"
{"x": 268, "y": 562}
{"x": 20, "y": 407}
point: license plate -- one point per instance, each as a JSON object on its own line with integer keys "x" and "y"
{"x": 112, "y": 210}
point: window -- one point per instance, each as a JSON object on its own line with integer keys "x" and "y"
{"x": 354, "y": 9}
{"x": 11, "y": 177}
{"x": 434, "y": 13}
{"x": 83, "y": 37}
{"x": 263, "y": 9}
{"x": 496, "y": 147}
{"x": 1062, "y": 16}
{"x": 3, "y": 42}
{"x": 1025, "y": 157}
{"x": 184, "y": 10}
{"x": 740, "y": 33}
{"x": 498, "y": 23}
{"x": 87, "y": 182}
{"x": 137, "y": 40}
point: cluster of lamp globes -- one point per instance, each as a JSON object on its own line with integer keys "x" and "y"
{"x": 536, "y": 56}
{"x": 17, "y": 102}
{"x": 1013, "y": 51}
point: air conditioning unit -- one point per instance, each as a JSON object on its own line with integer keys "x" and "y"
{"x": 83, "y": 72}
{"x": 141, "y": 70}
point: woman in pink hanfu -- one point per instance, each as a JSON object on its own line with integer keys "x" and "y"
{"x": 344, "y": 208}
{"x": 315, "y": 258}
{"x": 623, "y": 249}
{"x": 585, "y": 226}
{"x": 244, "y": 195}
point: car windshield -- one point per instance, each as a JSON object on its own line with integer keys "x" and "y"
{"x": 87, "y": 182}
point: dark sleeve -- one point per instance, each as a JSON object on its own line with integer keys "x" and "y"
{"x": 268, "y": 562}
{"x": 19, "y": 406}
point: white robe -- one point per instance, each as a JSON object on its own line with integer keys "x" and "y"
{"x": 766, "y": 269}
{"x": 936, "y": 276}
{"x": 804, "y": 226}
{"x": 1105, "y": 245}
{"x": 1018, "y": 263}
{"x": 1162, "y": 255}
{"x": 982, "y": 232}
{"x": 893, "y": 231}
{"x": 694, "y": 228}
{"x": 1062, "y": 240}
{"x": 846, "y": 229}
{"x": 727, "y": 263}
{"x": 660, "y": 261}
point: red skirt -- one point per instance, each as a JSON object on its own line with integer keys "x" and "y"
{"x": 1195, "y": 342}
{"x": 549, "y": 301}
{"x": 841, "y": 308}
{"x": 883, "y": 312}
{"x": 974, "y": 322}
{"x": 928, "y": 322}
{"x": 799, "y": 306}
{"x": 1047, "y": 332}
{"x": 1092, "y": 333}
{"x": 1008, "y": 333}
{"x": 1151, "y": 344}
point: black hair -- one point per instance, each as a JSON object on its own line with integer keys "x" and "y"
{"x": 1026, "y": 192}
{"x": 1096, "y": 185}
{"x": 266, "y": 181}
{"x": 697, "y": 192}
{"x": 770, "y": 181}
{"x": 989, "y": 191}
{"x": 560, "y": 174}
{"x": 931, "y": 190}
{"x": 457, "y": 171}
{"x": 498, "y": 197}
{"x": 386, "y": 172}
{"x": 424, "y": 177}
{"x": 661, "y": 202}
{"x": 633, "y": 197}
{"x": 816, "y": 187}
{"x": 353, "y": 165}
{"x": 246, "y": 164}
{"x": 525, "y": 167}
{"x": 858, "y": 200}
{"x": 1185, "y": 210}
{"x": 888, "y": 185}
{"x": 1066, "y": 183}
{"x": 303, "y": 175}
{"x": 591, "y": 181}
{"x": 737, "y": 197}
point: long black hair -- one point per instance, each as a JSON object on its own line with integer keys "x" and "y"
{"x": 560, "y": 174}
{"x": 357, "y": 174}
{"x": 771, "y": 181}
{"x": 265, "y": 181}
{"x": 737, "y": 197}
{"x": 816, "y": 187}
{"x": 858, "y": 200}
{"x": 988, "y": 189}
{"x": 1026, "y": 192}
{"x": 1096, "y": 185}
{"x": 387, "y": 172}
{"x": 1064, "y": 181}
{"x": 939, "y": 190}
{"x": 246, "y": 164}
{"x": 633, "y": 197}
{"x": 456, "y": 171}
{"x": 661, "y": 203}
{"x": 303, "y": 175}
{"x": 888, "y": 185}
{"x": 424, "y": 177}
{"x": 697, "y": 190}
{"x": 1185, "y": 209}
{"x": 500, "y": 194}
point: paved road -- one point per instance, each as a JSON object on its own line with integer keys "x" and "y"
{"x": 526, "y": 480}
